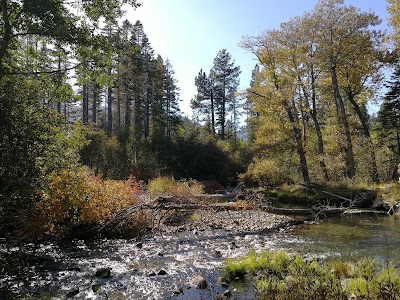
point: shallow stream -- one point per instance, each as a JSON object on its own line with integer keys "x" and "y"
{"x": 154, "y": 266}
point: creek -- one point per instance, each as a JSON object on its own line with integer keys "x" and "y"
{"x": 153, "y": 266}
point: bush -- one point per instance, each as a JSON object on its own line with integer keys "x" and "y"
{"x": 74, "y": 198}
{"x": 165, "y": 185}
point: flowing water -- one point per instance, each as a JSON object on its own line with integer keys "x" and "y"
{"x": 151, "y": 268}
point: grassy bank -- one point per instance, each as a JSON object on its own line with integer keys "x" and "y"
{"x": 279, "y": 275}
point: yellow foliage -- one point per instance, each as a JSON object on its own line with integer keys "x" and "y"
{"x": 165, "y": 185}
{"x": 394, "y": 10}
{"x": 266, "y": 172}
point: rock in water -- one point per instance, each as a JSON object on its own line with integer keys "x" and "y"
{"x": 103, "y": 273}
{"x": 95, "y": 288}
{"x": 162, "y": 273}
{"x": 178, "y": 291}
{"x": 223, "y": 281}
{"x": 228, "y": 294}
{"x": 200, "y": 282}
{"x": 219, "y": 297}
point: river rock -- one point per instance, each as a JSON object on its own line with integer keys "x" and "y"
{"x": 95, "y": 287}
{"x": 73, "y": 268}
{"x": 72, "y": 293}
{"x": 162, "y": 273}
{"x": 228, "y": 294}
{"x": 223, "y": 281}
{"x": 200, "y": 282}
{"x": 177, "y": 291}
{"x": 103, "y": 273}
{"x": 219, "y": 297}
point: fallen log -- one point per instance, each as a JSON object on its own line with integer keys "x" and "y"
{"x": 302, "y": 211}
{"x": 366, "y": 211}
{"x": 216, "y": 197}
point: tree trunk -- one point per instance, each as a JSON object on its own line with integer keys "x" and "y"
{"x": 95, "y": 100}
{"x": 299, "y": 144}
{"x": 127, "y": 121}
{"x": 6, "y": 38}
{"x": 146, "y": 125}
{"x": 374, "y": 171}
{"x": 85, "y": 104}
{"x": 317, "y": 126}
{"x": 350, "y": 172}
{"x": 222, "y": 114}
{"x": 212, "y": 113}
{"x": 118, "y": 97}
{"x": 109, "y": 108}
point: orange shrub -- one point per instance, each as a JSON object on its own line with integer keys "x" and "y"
{"x": 78, "y": 197}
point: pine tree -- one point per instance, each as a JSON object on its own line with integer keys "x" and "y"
{"x": 389, "y": 113}
{"x": 204, "y": 101}
{"x": 227, "y": 82}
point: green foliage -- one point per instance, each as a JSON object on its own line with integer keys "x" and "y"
{"x": 279, "y": 275}
{"x": 105, "y": 155}
{"x": 33, "y": 143}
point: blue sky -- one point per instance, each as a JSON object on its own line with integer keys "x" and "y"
{"x": 191, "y": 32}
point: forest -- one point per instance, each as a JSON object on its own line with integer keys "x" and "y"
{"x": 85, "y": 103}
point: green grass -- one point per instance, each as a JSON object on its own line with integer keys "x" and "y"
{"x": 279, "y": 275}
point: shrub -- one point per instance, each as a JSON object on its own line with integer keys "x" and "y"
{"x": 169, "y": 186}
{"x": 74, "y": 198}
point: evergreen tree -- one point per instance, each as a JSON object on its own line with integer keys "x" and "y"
{"x": 227, "y": 82}
{"x": 389, "y": 113}
{"x": 204, "y": 101}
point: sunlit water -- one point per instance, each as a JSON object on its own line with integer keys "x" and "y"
{"x": 185, "y": 255}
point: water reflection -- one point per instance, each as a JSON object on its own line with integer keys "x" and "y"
{"x": 349, "y": 236}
